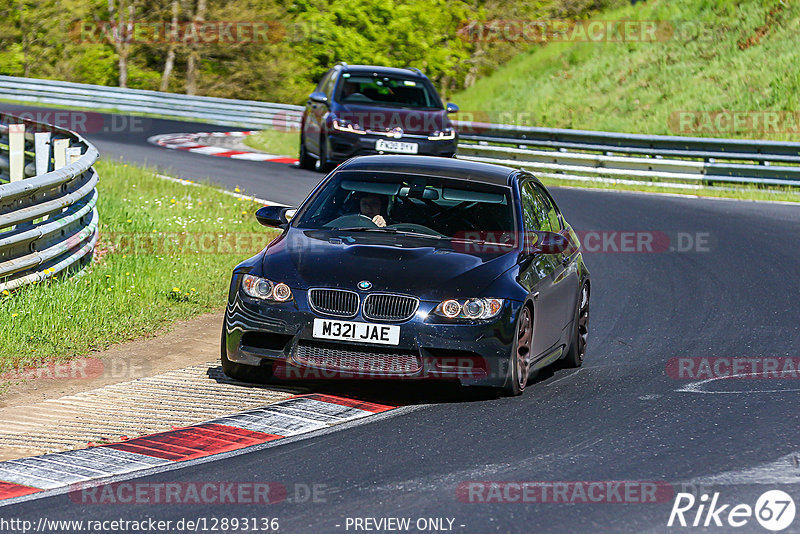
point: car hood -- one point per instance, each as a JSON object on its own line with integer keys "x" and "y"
{"x": 413, "y": 121}
{"x": 428, "y": 269}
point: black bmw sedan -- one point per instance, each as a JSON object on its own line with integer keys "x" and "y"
{"x": 412, "y": 267}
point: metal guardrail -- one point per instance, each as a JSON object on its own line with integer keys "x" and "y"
{"x": 48, "y": 218}
{"x": 560, "y": 153}
{"x": 550, "y": 152}
{"x": 223, "y": 111}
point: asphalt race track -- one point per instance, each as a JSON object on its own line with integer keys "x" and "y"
{"x": 622, "y": 417}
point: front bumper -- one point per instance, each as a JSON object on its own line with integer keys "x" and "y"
{"x": 281, "y": 335}
{"x": 343, "y": 145}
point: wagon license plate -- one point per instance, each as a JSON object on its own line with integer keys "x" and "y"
{"x": 396, "y": 146}
{"x": 360, "y": 332}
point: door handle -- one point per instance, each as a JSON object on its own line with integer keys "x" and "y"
{"x": 536, "y": 295}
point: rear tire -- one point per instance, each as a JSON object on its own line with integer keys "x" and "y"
{"x": 237, "y": 371}
{"x": 305, "y": 161}
{"x": 519, "y": 361}
{"x": 577, "y": 349}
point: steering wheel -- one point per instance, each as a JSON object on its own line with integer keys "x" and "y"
{"x": 351, "y": 219}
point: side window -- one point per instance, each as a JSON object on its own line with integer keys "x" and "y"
{"x": 323, "y": 81}
{"x": 330, "y": 83}
{"x": 530, "y": 215}
{"x": 540, "y": 206}
{"x": 555, "y": 224}
{"x": 551, "y": 212}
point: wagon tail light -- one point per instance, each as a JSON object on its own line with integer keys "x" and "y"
{"x": 264, "y": 289}
{"x": 475, "y": 309}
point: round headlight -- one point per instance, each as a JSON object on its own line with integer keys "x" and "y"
{"x": 281, "y": 292}
{"x": 451, "y": 308}
{"x": 473, "y": 308}
{"x": 263, "y": 288}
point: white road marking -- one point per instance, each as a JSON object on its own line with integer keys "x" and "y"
{"x": 697, "y": 387}
{"x": 784, "y": 470}
{"x": 223, "y": 191}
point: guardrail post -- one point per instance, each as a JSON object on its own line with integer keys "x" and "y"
{"x": 60, "y": 147}
{"x": 41, "y": 143}
{"x": 16, "y": 151}
{"x": 73, "y": 154}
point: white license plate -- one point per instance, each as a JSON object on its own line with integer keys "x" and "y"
{"x": 396, "y": 146}
{"x": 360, "y": 332}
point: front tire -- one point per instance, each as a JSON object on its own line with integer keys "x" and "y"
{"x": 322, "y": 164}
{"x": 520, "y": 360}
{"x": 305, "y": 161}
{"x": 238, "y": 371}
{"x": 577, "y": 349}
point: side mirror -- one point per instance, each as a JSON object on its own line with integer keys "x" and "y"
{"x": 274, "y": 216}
{"x": 547, "y": 243}
{"x": 319, "y": 97}
{"x": 451, "y": 108}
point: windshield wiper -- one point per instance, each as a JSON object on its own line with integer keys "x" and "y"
{"x": 482, "y": 242}
{"x": 393, "y": 231}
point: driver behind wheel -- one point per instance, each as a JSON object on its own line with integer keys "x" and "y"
{"x": 373, "y": 206}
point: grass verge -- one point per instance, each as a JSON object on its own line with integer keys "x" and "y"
{"x": 165, "y": 253}
{"x": 274, "y": 142}
{"x": 712, "y": 56}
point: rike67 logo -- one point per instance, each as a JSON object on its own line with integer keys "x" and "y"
{"x": 774, "y": 510}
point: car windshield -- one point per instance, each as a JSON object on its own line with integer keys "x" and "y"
{"x": 418, "y": 206}
{"x": 386, "y": 91}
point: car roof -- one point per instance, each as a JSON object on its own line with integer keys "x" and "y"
{"x": 459, "y": 169}
{"x": 370, "y": 69}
